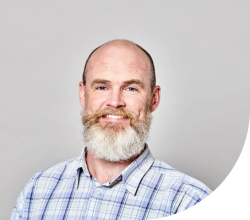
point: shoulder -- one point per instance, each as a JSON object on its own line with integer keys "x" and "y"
{"x": 63, "y": 170}
{"x": 179, "y": 191}
{"x": 44, "y": 180}
{"x": 178, "y": 181}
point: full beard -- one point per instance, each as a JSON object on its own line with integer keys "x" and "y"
{"x": 111, "y": 141}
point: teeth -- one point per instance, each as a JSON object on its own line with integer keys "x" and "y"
{"x": 114, "y": 116}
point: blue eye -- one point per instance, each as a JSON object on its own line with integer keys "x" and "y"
{"x": 131, "y": 89}
{"x": 101, "y": 88}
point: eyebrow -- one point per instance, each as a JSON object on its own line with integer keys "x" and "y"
{"x": 100, "y": 81}
{"x": 132, "y": 81}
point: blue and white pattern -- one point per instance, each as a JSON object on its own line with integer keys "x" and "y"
{"x": 146, "y": 189}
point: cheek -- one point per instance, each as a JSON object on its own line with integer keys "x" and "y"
{"x": 94, "y": 103}
{"x": 137, "y": 106}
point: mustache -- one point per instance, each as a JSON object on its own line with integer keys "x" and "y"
{"x": 90, "y": 119}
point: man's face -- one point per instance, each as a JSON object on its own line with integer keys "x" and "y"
{"x": 117, "y": 78}
{"x": 118, "y": 102}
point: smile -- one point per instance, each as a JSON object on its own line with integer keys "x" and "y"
{"x": 114, "y": 116}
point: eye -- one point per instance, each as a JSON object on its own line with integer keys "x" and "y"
{"x": 101, "y": 88}
{"x": 131, "y": 89}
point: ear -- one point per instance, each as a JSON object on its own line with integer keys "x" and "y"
{"x": 156, "y": 98}
{"x": 82, "y": 94}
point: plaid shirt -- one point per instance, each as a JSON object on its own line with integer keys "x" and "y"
{"x": 146, "y": 189}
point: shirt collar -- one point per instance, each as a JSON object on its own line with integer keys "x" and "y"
{"x": 136, "y": 170}
{"x": 82, "y": 166}
{"x": 131, "y": 175}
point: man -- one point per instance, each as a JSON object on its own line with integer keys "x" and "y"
{"x": 116, "y": 177}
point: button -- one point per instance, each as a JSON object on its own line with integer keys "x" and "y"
{"x": 98, "y": 192}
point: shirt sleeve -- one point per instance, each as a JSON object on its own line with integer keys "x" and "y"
{"x": 189, "y": 196}
{"x": 17, "y": 212}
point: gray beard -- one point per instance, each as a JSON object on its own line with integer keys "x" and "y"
{"x": 112, "y": 142}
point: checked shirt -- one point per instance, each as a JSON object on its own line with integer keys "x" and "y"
{"x": 146, "y": 189}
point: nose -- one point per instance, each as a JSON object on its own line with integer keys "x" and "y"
{"x": 115, "y": 99}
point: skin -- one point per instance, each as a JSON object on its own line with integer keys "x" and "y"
{"x": 117, "y": 76}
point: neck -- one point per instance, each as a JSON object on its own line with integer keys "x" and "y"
{"x": 104, "y": 171}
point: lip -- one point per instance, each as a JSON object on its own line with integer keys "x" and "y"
{"x": 113, "y": 119}
{"x": 114, "y": 116}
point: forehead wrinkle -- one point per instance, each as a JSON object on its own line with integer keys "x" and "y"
{"x": 107, "y": 56}
{"x": 103, "y": 64}
{"x": 100, "y": 64}
{"x": 138, "y": 66}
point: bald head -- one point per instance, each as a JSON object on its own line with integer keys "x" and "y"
{"x": 143, "y": 58}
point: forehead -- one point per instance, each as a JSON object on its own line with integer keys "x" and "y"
{"x": 125, "y": 60}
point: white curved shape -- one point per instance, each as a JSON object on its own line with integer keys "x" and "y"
{"x": 231, "y": 199}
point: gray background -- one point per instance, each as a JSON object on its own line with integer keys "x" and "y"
{"x": 201, "y": 53}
